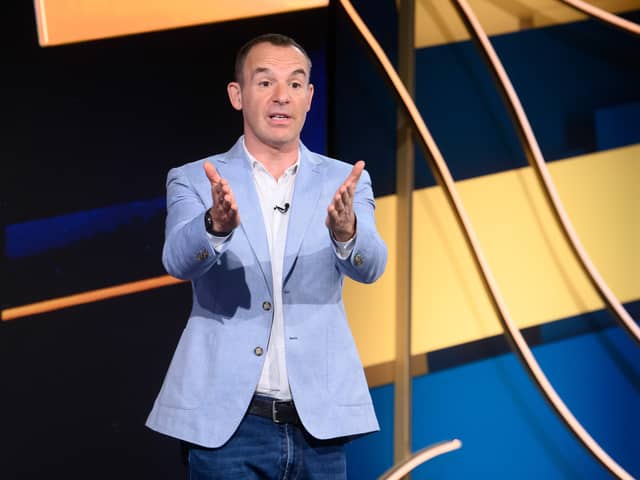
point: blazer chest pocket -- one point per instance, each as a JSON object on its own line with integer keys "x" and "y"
{"x": 189, "y": 375}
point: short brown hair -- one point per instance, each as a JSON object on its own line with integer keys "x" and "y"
{"x": 272, "y": 38}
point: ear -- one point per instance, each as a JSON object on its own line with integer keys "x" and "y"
{"x": 310, "y": 94}
{"x": 235, "y": 95}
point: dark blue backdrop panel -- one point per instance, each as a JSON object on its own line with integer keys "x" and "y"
{"x": 617, "y": 126}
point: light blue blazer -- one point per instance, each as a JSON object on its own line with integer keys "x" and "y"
{"x": 216, "y": 366}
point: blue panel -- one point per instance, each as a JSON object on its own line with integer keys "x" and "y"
{"x": 372, "y": 454}
{"x": 618, "y": 126}
{"x": 314, "y": 134}
{"x": 464, "y": 113}
{"x": 72, "y": 253}
{"x": 507, "y": 430}
{"x": 36, "y": 237}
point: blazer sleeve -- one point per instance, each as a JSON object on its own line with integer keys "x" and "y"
{"x": 369, "y": 255}
{"x": 187, "y": 252}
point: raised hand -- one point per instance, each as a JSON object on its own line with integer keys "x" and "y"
{"x": 341, "y": 218}
{"x": 224, "y": 212}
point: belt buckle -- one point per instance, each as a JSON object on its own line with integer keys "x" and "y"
{"x": 274, "y": 412}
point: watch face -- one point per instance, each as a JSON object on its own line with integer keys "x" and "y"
{"x": 208, "y": 223}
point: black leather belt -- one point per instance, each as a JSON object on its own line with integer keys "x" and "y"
{"x": 278, "y": 411}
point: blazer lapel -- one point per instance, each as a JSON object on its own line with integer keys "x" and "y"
{"x": 234, "y": 167}
{"x": 306, "y": 195}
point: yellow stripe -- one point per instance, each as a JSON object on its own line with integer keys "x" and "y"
{"x": 532, "y": 264}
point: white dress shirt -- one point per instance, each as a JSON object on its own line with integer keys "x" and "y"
{"x": 277, "y": 193}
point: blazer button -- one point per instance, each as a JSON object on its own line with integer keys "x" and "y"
{"x": 266, "y": 306}
{"x": 358, "y": 260}
{"x": 258, "y": 351}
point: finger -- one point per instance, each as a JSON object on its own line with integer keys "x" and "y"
{"x": 222, "y": 192}
{"x": 231, "y": 214}
{"x": 218, "y": 194}
{"x": 226, "y": 190}
{"x": 228, "y": 199}
{"x": 221, "y": 187}
{"x": 348, "y": 189}
{"x": 337, "y": 203}
{"x": 352, "y": 187}
{"x": 356, "y": 171}
{"x": 332, "y": 217}
{"x": 347, "y": 198}
{"x": 211, "y": 172}
{"x": 225, "y": 213}
{"x": 220, "y": 204}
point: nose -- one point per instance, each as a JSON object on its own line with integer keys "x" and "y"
{"x": 281, "y": 94}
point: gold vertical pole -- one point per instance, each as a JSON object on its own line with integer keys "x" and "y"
{"x": 404, "y": 190}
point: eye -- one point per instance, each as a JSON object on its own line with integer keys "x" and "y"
{"x": 296, "y": 85}
{"x": 264, "y": 83}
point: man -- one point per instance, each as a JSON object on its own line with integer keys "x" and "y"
{"x": 266, "y": 381}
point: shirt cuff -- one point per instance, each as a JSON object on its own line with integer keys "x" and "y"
{"x": 343, "y": 249}
{"x": 217, "y": 242}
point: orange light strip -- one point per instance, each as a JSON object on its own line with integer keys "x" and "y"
{"x": 604, "y": 16}
{"x": 87, "y": 297}
{"x": 67, "y": 21}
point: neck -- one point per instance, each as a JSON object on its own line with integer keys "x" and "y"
{"x": 275, "y": 158}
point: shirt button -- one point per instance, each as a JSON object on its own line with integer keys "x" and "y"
{"x": 266, "y": 306}
{"x": 258, "y": 351}
{"x": 358, "y": 260}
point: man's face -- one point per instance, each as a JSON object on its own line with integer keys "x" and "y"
{"x": 275, "y": 95}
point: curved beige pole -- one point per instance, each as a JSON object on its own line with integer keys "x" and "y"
{"x": 604, "y": 16}
{"x": 442, "y": 174}
{"x": 414, "y": 461}
{"x": 536, "y": 160}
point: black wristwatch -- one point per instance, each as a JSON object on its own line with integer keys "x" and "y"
{"x": 208, "y": 225}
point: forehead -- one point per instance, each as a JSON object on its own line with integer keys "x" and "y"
{"x": 275, "y": 57}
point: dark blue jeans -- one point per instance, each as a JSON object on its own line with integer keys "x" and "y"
{"x": 261, "y": 449}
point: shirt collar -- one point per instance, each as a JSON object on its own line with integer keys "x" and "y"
{"x": 255, "y": 163}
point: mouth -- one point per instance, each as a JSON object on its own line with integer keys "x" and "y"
{"x": 279, "y": 116}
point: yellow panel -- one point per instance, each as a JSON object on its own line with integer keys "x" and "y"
{"x": 437, "y": 21}
{"x": 64, "y": 21}
{"x": 371, "y": 309}
{"x": 534, "y": 268}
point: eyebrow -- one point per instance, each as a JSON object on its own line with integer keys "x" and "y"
{"x": 297, "y": 71}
